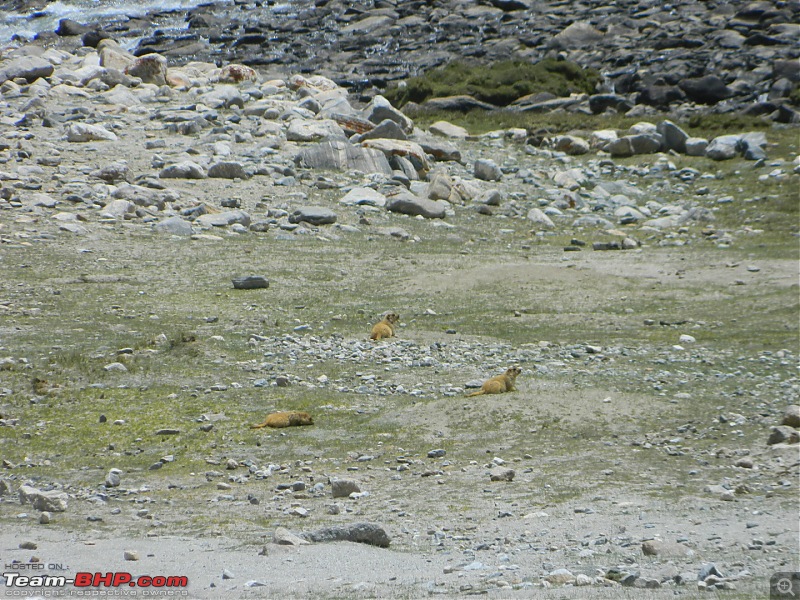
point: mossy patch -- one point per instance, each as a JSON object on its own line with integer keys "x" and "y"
{"x": 499, "y": 83}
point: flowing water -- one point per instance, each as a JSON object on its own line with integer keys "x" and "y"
{"x": 44, "y": 16}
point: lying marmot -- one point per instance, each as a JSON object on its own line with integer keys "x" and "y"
{"x": 285, "y": 419}
{"x": 385, "y": 327}
{"x": 499, "y": 384}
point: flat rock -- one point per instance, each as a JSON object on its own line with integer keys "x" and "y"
{"x": 184, "y": 170}
{"x": 250, "y": 282}
{"x": 174, "y": 226}
{"x": 84, "y": 132}
{"x": 314, "y": 215}
{"x": 362, "y": 196}
{"x": 29, "y": 68}
{"x": 362, "y": 533}
{"x": 284, "y": 537}
{"x": 408, "y": 203}
{"x": 343, "y": 156}
{"x": 224, "y": 219}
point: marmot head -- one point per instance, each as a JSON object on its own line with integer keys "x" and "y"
{"x": 300, "y": 418}
{"x": 392, "y": 317}
{"x": 513, "y": 372}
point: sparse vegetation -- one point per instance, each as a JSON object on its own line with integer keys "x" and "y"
{"x": 498, "y": 83}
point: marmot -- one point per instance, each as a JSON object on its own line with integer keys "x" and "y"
{"x": 285, "y": 419}
{"x": 499, "y": 384}
{"x": 385, "y": 327}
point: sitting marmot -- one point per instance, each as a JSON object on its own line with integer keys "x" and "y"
{"x": 285, "y": 419}
{"x": 385, "y": 327}
{"x": 499, "y": 384}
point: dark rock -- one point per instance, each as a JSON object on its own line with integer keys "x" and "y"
{"x": 228, "y": 170}
{"x": 314, "y": 215}
{"x": 251, "y": 282}
{"x": 791, "y": 416}
{"x": 599, "y": 103}
{"x": 362, "y": 533}
{"x": 706, "y": 90}
{"x": 660, "y": 96}
{"x": 90, "y": 39}
{"x": 783, "y": 434}
{"x": 67, "y": 27}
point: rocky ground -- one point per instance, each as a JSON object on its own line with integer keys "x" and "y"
{"x": 644, "y": 279}
{"x": 729, "y": 56}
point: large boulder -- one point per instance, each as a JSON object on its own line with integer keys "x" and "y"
{"x": 407, "y": 203}
{"x": 29, "y": 68}
{"x": 341, "y": 155}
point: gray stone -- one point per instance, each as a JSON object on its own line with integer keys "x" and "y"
{"x": 491, "y": 197}
{"x": 753, "y": 145}
{"x": 448, "y": 130}
{"x": 696, "y": 146}
{"x": 29, "y": 68}
{"x": 228, "y": 170}
{"x": 440, "y": 149}
{"x": 706, "y": 90}
{"x": 666, "y": 549}
{"x": 5, "y": 487}
{"x": 315, "y": 215}
{"x": 118, "y": 208}
{"x": 113, "y": 173}
{"x": 560, "y": 577}
{"x": 724, "y": 147}
{"x": 308, "y": 130}
{"x": 386, "y": 129}
{"x": 380, "y": 109}
{"x": 791, "y": 416}
{"x": 674, "y": 138}
{"x": 150, "y": 68}
{"x": 361, "y": 196}
{"x": 343, "y": 156}
{"x": 251, "y": 282}
{"x": 183, "y": 170}
{"x": 114, "y": 478}
{"x": 571, "y": 144}
{"x": 487, "y": 170}
{"x": 538, "y": 217}
{"x": 224, "y": 219}
{"x": 84, "y": 132}
{"x": 362, "y": 533}
{"x": 51, "y": 501}
{"x": 406, "y": 203}
{"x": 501, "y": 474}
{"x": 174, "y": 226}
{"x": 577, "y": 35}
{"x": 223, "y": 96}
{"x": 783, "y": 434}
{"x": 284, "y": 537}
{"x": 342, "y": 488}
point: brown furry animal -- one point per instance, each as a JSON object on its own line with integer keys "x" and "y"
{"x": 499, "y": 384}
{"x": 385, "y": 327}
{"x": 285, "y": 419}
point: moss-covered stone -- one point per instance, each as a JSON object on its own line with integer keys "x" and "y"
{"x": 497, "y": 83}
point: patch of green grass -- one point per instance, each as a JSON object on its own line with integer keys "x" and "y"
{"x": 499, "y": 83}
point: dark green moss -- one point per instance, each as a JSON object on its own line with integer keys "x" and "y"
{"x": 497, "y": 83}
